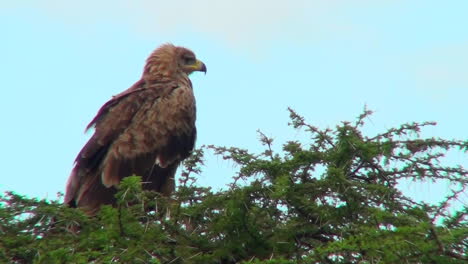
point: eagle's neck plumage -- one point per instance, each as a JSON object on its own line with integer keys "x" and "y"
{"x": 183, "y": 80}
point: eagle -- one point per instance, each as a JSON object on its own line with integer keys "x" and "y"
{"x": 146, "y": 130}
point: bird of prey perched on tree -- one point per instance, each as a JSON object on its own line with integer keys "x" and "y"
{"x": 147, "y": 130}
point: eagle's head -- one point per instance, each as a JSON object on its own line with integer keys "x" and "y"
{"x": 168, "y": 61}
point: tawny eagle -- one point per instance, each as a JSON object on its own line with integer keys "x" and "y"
{"x": 147, "y": 130}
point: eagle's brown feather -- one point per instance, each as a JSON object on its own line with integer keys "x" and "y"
{"x": 146, "y": 130}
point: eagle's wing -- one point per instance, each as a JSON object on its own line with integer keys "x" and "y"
{"x": 110, "y": 121}
{"x": 101, "y": 153}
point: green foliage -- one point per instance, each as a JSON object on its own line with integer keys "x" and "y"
{"x": 332, "y": 199}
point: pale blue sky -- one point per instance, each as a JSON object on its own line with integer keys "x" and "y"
{"x": 61, "y": 60}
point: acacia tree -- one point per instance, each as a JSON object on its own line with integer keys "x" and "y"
{"x": 331, "y": 199}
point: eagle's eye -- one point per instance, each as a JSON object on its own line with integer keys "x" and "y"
{"x": 189, "y": 60}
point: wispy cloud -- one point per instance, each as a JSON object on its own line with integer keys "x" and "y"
{"x": 240, "y": 22}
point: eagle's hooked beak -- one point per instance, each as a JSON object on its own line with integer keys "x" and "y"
{"x": 200, "y": 66}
